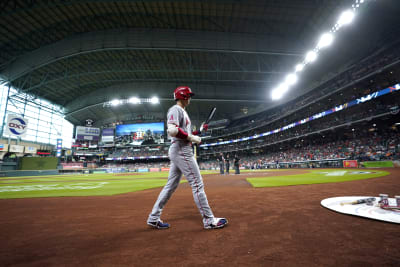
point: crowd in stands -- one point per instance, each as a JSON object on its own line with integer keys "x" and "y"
{"x": 138, "y": 152}
{"x": 364, "y": 145}
{"x": 362, "y": 78}
{"x": 136, "y": 165}
{"x": 384, "y": 106}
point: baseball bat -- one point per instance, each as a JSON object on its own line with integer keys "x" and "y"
{"x": 212, "y": 112}
{"x": 196, "y": 147}
{"x": 358, "y": 201}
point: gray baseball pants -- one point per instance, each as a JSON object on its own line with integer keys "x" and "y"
{"x": 183, "y": 162}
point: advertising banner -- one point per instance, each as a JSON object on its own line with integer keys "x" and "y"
{"x": 107, "y": 135}
{"x": 154, "y": 169}
{"x": 72, "y": 165}
{"x": 87, "y": 133}
{"x": 16, "y": 125}
{"x": 59, "y": 147}
{"x": 16, "y": 148}
{"x": 165, "y": 169}
{"x": 350, "y": 164}
{"x": 3, "y": 147}
{"x": 30, "y": 149}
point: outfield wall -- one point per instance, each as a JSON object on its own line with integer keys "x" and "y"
{"x": 377, "y": 164}
{"x": 27, "y": 173}
{"x": 38, "y": 163}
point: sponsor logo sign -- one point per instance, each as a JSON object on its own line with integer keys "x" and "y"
{"x": 16, "y": 126}
{"x": 108, "y": 135}
{"x": 350, "y": 164}
{"x": 87, "y": 133}
{"x": 72, "y": 165}
{"x": 3, "y": 147}
{"x": 16, "y": 148}
{"x": 59, "y": 148}
{"x": 30, "y": 149}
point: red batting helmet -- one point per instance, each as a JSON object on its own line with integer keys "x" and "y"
{"x": 183, "y": 92}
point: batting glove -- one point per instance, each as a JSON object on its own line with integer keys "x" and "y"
{"x": 204, "y": 127}
{"x": 194, "y": 139}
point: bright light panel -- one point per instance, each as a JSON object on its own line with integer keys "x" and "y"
{"x": 299, "y": 67}
{"x": 291, "y": 79}
{"x": 325, "y": 40}
{"x": 276, "y": 94}
{"x": 311, "y": 56}
{"x": 154, "y": 100}
{"x": 115, "y": 102}
{"x": 346, "y": 17}
{"x": 134, "y": 100}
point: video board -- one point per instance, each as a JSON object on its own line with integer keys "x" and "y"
{"x": 140, "y": 132}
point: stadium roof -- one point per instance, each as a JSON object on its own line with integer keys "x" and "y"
{"x": 80, "y": 54}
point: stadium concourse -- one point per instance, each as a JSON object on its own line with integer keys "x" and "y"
{"x": 298, "y": 85}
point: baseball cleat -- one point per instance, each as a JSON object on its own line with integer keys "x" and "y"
{"x": 217, "y": 223}
{"x": 158, "y": 224}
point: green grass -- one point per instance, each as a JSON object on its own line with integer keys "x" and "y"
{"x": 319, "y": 176}
{"x": 79, "y": 185}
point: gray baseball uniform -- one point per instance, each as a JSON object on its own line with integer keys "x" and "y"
{"x": 182, "y": 162}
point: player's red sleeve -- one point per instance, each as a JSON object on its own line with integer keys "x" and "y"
{"x": 182, "y": 134}
{"x": 196, "y": 132}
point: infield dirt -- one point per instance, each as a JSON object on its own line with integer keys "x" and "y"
{"x": 277, "y": 226}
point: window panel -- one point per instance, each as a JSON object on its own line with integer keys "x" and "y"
{"x": 31, "y": 116}
{"x": 46, "y": 122}
{"x": 32, "y": 108}
{"x": 42, "y": 134}
{"x": 29, "y": 138}
{"x": 43, "y": 140}
{"x": 12, "y": 109}
{"x": 44, "y": 117}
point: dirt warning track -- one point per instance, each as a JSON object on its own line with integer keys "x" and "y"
{"x": 277, "y": 226}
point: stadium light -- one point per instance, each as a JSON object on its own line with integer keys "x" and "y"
{"x": 325, "y": 40}
{"x": 346, "y": 17}
{"x": 291, "y": 79}
{"x": 299, "y": 67}
{"x": 134, "y": 100}
{"x": 278, "y": 92}
{"x": 115, "y": 102}
{"x": 154, "y": 100}
{"x": 311, "y": 56}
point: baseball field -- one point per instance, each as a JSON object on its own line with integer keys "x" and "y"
{"x": 275, "y": 218}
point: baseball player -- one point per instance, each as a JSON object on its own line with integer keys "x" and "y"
{"x": 227, "y": 164}
{"x": 183, "y": 162}
{"x": 236, "y": 164}
{"x": 221, "y": 161}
